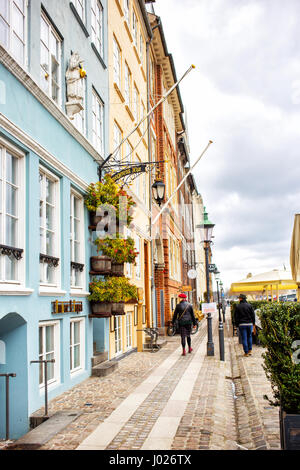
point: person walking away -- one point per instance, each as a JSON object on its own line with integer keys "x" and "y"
{"x": 245, "y": 320}
{"x": 184, "y": 314}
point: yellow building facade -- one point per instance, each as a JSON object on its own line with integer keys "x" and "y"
{"x": 127, "y": 37}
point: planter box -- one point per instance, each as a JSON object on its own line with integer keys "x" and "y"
{"x": 101, "y": 264}
{"x": 118, "y": 308}
{"x": 117, "y": 269}
{"x": 102, "y": 309}
{"x": 289, "y": 430}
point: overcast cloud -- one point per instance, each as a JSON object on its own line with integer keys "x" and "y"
{"x": 245, "y": 96}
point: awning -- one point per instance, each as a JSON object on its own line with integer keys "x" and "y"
{"x": 274, "y": 281}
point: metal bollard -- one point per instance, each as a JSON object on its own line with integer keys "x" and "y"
{"x": 46, "y": 381}
{"x": 7, "y": 401}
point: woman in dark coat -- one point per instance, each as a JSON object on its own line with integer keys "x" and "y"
{"x": 184, "y": 313}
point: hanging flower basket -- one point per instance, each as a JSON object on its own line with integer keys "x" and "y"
{"x": 102, "y": 308}
{"x": 118, "y": 308}
{"x": 117, "y": 269}
{"x": 101, "y": 264}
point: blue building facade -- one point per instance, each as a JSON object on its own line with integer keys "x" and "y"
{"x": 47, "y": 160}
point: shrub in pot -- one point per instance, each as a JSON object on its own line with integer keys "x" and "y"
{"x": 280, "y": 336}
{"x": 120, "y": 250}
{"x": 111, "y": 291}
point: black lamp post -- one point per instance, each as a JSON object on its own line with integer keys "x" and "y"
{"x": 221, "y": 329}
{"x": 206, "y": 229}
{"x": 158, "y": 190}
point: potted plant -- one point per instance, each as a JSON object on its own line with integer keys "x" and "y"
{"x": 280, "y": 336}
{"x": 119, "y": 250}
{"x": 106, "y": 294}
{"x": 101, "y": 264}
{"x": 110, "y": 197}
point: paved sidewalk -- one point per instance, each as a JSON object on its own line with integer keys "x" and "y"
{"x": 165, "y": 401}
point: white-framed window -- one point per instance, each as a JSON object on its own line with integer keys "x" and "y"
{"x": 141, "y": 48}
{"x": 12, "y": 213}
{"x": 128, "y": 266}
{"x": 49, "y": 348}
{"x": 76, "y": 239}
{"x": 134, "y": 28}
{"x": 137, "y": 180}
{"x": 118, "y": 334}
{"x": 117, "y": 140}
{"x": 50, "y": 59}
{"x": 77, "y": 344}
{"x": 126, "y": 11}
{"x": 138, "y": 258}
{"x": 143, "y": 114}
{"x": 49, "y": 228}
{"x": 80, "y": 7}
{"x": 13, "y": 27}
{"x": 135, "y": 103}
{"x": 98, "y": 123}
{"x": 117, "y": 63}
{"x": 127, "y": 86}
{"x": 79, "y": 120}
{"x": 97, "y": 25}
{"x": 128, "y": 152}
{"x": 129, "y": 316}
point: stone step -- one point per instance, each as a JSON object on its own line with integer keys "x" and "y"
{"x": 99, "y": 357}
{"x": 104, "y": 368}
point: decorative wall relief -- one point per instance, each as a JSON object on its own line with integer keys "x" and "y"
{"x": 75, "y": 87}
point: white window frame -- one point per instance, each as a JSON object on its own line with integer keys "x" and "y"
{"x": 81, "y": 321}
{"x": 6, "y": 147}
{"x": 118, "y": 335}
{"x": 51, "y": 30}
{"x": 79, "y": 120}
{"x": 75, "y": 195}
{"x": 129, "y": 317}
{"x": 117, "y": 136}
{"x": 56, "y": 229}
{"x": 138, "y": 267}
{"x": 97, "y": 25}
{"x": 127, "y": 85}
{"x": 56, "y": 352}
{"x": 128, "y": 266}
{"x": 141, "y": 48}
{"x": 126, "y": 6}
{"x": 134, "y": 28}
{"x": 136, "y": 100}
{"x": 80, "y": 8}
{"x": 98, "y": 122}
{"x": 117, "y": 63}
{"x": 13, "y": 33}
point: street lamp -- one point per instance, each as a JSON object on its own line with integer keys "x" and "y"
{"x": 206, "y": 229}
{"x": 158, "y": 189}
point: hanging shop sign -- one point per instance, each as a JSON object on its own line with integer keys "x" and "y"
{"x": 131, "y": 170}
{"x": 186, "y": 288}
{"x": 66, "y": 307}
{"x": 211, "y": 268}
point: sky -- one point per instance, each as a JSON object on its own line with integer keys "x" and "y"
{"x": 244, "y": 95}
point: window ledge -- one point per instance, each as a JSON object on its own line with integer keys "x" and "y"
{"x": 73, "y": 8}
{"x": 12, "y": 289}
{"x": 119, "y": 7}
{"x": 128, "y": 31}
{"x": 129, "y": 112}
{"x": 98, "y": 55}
{"x": 136, "y": 53}
{"x": 79, "y": 293}
{"x": 52, "y": 291}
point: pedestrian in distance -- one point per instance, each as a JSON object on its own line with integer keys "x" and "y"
{"x": 184, "y": 315}
{"x": 244, "y": 318}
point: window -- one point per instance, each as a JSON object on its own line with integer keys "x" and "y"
{"x": 117, "y": 63}
{"x": 97, "y": 25}
{"x": 98, "y": 131}
{"x": 11, "y": 209}
{"x": 138, "y": 258}
{"x": 80, "y": 7}
{"x": 76, "y": 344}
{"x": 128, "y": 266}
{"x": 118, "y": 334}
{"x": 117, "y": 141}
{"x": 129, "y": 330}
{"x": 141, "y": 48}
{"x": 143, "y": 114}
{"x": 12, "y": 27}
{"x": 137, "y": 180}
{"x": 135, "y": 104}
{"x": 50, "y": 47}
{"x": 134, "y": 28}
{"x": 126, "y": 11}
{"x": 127, "y": 86}
{"x": 49, "y": 227}
{"x": 49, "y": 349}
{"x": 76, "y": 240}
{"x": 79, "y": 118}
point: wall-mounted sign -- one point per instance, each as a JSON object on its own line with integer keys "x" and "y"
{"x": 66, "y": 307}
{"x": 186, "y": 288}
{"x": 132, "y": 170}
{"x": 211, "y": 268}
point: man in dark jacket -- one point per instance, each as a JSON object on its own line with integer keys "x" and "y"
{"x": 244, "y": 318}
{"x": 185, "y": 314}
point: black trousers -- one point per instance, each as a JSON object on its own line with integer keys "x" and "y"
{"x": 185, "y": 332}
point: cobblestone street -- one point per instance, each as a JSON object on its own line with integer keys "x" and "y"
{"x": 166, "y": 401}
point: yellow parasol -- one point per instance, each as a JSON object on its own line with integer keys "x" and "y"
{"x": 295, "y": 252}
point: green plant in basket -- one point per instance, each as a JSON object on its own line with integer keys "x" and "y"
{"x": 120, "y": 250}
{"x": 114, "y": 289}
